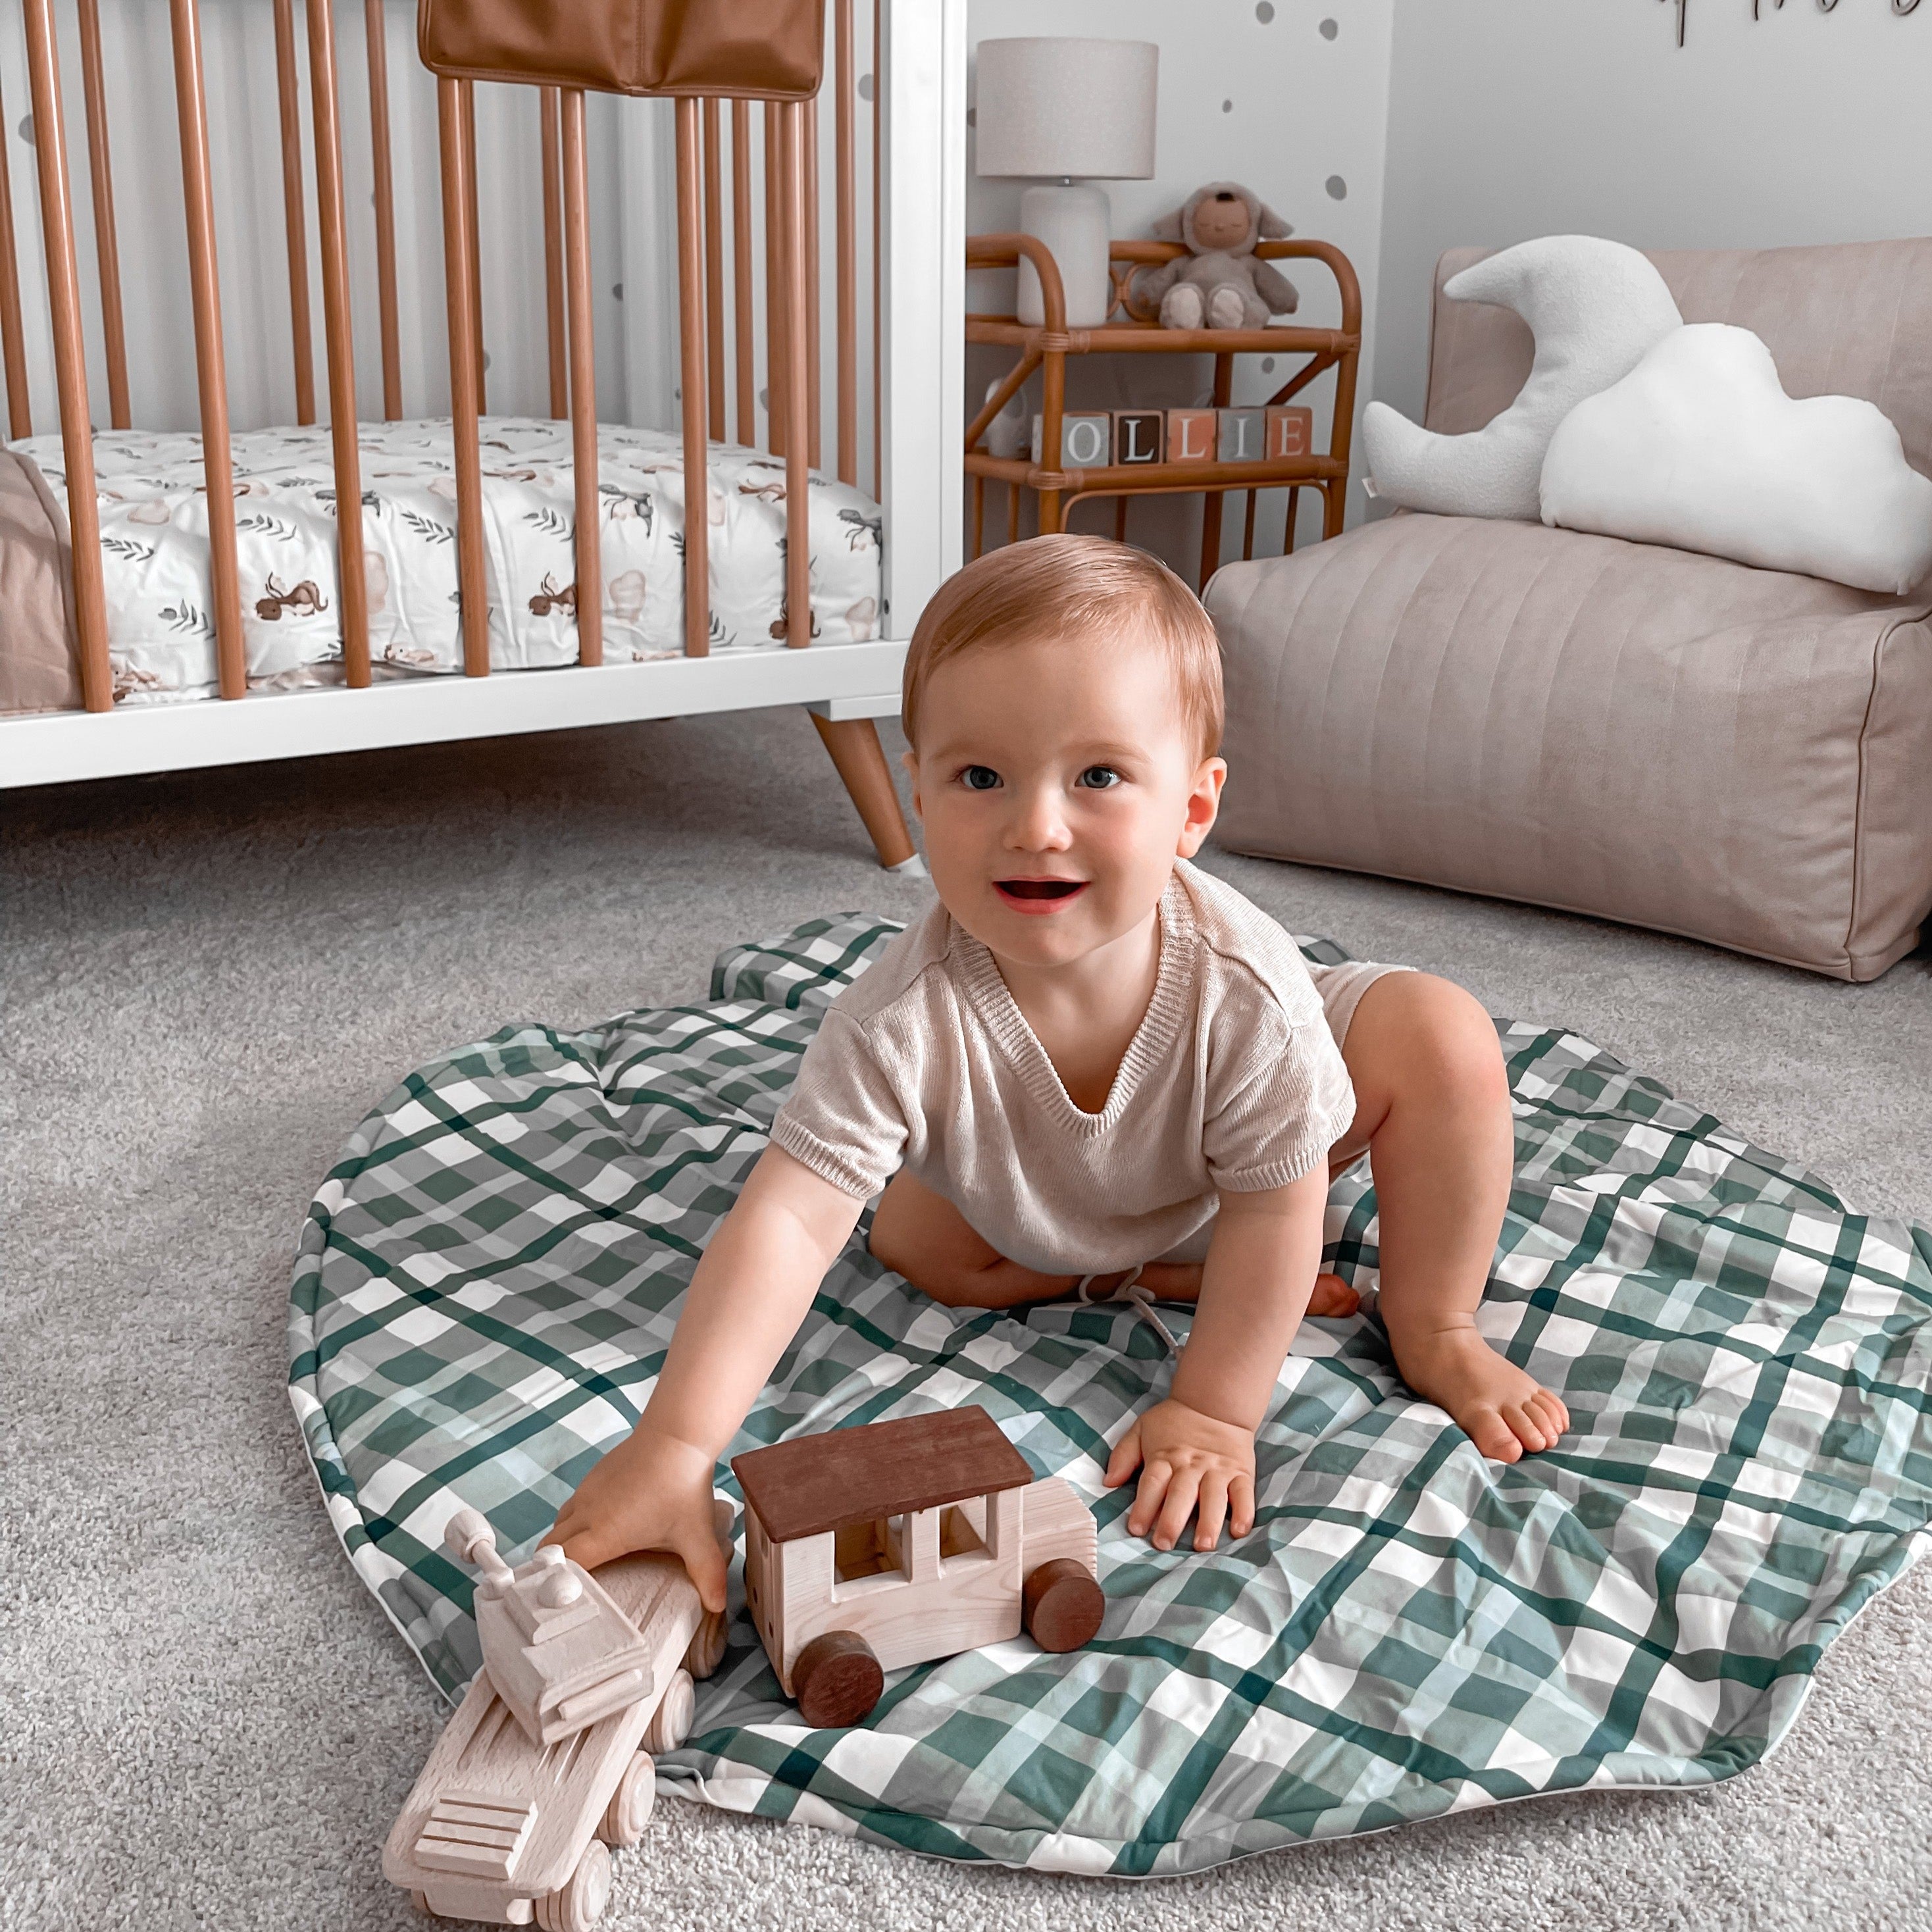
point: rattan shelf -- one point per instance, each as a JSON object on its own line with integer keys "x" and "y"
{"x": 1046, "y": 347}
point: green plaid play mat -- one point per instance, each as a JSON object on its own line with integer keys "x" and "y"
{"x": 489, "y": 1275}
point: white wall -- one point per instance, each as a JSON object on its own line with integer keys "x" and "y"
{"x": 1510, "y": 119}
{"x": 1256, "y": 93}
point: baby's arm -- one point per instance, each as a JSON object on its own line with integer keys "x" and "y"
{"x": 752, "y": 1287}
{"x": 1196, "y": 1450}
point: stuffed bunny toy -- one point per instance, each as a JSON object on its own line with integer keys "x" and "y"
{"x": 1222, "y": 286}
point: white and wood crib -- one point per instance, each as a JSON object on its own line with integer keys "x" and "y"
{"x": 177, "y": 585}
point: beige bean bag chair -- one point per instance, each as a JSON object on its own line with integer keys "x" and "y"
{"x": 1739, "y": 755}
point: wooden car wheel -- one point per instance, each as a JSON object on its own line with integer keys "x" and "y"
{"x": 670, "y": 1722}
{"x": 629, "y": 1810}
{"x": 836, "y": 1680}
{"x": 706, "y": 1650}
{"x": 1062, "y": 1604}
{"x": 578, "y": 1906}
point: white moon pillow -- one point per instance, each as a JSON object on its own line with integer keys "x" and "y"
{"x": 1594, "y": 306}
{"x": 1699, "y": 447}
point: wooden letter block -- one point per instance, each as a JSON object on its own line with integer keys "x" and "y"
{"x": 1137, "y": 436}
{"x": 1291, "y": 431}
{"x": 1238, "y": 436}
{"x": 1190, "y": 436}
{"x": 1086, "y": 441}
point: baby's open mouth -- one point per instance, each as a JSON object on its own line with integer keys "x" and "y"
{"x": 1039, "y": 895}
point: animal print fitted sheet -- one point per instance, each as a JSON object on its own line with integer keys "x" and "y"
{"x": 154, "y": 532}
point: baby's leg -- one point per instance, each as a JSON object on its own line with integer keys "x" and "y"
{"x": 1433, "y": 1108}
{"x": 921, "y": 1235}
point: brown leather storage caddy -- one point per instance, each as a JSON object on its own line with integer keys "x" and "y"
{"x": 758, "y": 49}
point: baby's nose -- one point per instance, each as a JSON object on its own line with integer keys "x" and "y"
{"x": 1038, "y": 825}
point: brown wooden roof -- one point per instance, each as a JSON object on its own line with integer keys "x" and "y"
{"x": 816, "y": 1482}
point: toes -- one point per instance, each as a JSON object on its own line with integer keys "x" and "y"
{"x": 1553, "y": 1416}
{"x": 1527, "y": 1425}
{"x": 1493, "y": 1436}
{"x": 1333, "y": 1296}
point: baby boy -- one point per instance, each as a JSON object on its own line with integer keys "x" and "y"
{"x": 1091, "y": 1064}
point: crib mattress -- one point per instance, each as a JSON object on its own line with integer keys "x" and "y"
{"x": 154, "y": 529}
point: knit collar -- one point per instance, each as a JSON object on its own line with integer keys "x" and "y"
{"x": 992, "y": 1001}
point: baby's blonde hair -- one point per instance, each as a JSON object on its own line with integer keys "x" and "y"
{"x": 1078, "y": 586}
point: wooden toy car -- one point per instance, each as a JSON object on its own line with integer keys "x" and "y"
{"x": 866, "y": 1548}
{"x": 505, "y": 1829}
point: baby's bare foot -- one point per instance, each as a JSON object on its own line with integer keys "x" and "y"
{"x": 1502, "y": 1411}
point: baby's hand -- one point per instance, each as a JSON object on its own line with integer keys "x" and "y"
{"x": 1186, "y": 1460}
{"x": 651, "y": 1492}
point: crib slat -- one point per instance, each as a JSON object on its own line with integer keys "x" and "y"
{"x": 211, "y": 364}
{"x": 691, "y": 331}
{"x": 352, "y": 584}
{"x": 798, "y": 491}
{"x": 550, "y": 135}
{"x": 808, "y": 154}
{"x": 474, "y": 226}
{"x": 107, "y": 241}
{"x": 583, "y": 382}
{"x": 777, "y": 282}
{"x": 844, "y": 88}
{"x": 288, "y": 106}
{"x": 742, "y": 321}
{"x": 714, "y": 271}
{"x": 466, "y": 369}
{"x": 13, "y": 340}
{"x": 375, "y": 45}
{"x": 83, "y": 504}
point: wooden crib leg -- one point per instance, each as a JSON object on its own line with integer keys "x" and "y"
{"x": 854, "y": 744}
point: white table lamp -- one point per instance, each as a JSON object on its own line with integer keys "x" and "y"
{"x": 1054, "y": 110}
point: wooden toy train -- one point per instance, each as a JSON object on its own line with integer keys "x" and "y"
{"x": 865, "y": 1549}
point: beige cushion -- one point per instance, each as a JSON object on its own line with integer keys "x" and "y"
{"x": 1739, "y": 755}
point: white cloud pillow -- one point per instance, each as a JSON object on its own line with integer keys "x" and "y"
{"x": 1593, "y": 306}
{"x": 1699, "y": 447}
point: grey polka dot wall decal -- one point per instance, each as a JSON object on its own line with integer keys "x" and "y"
{"x": 27, "y": 129}
{"x": 865, "y": 87}
{"x": 1338, "y": 189}
{"x": 972, "y": 117}
{"x": 764, "y": 399}
{"x": 1227, "y": 107}
{"x": 1328, "y": 30}
{"x": 1265, "y": 13}
{"x": 617, "y": 290}
{"x": 486, "y": 359}
{"x": 1268, "y": 365}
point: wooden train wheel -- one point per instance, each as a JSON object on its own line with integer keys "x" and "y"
{"x": 670, "y": 1722}
{"x": 1062, "y": 1604}
{"x": 836, "y": 1680}
{"x": 629, "y": 1810}
{"x": 578, "y": 1906}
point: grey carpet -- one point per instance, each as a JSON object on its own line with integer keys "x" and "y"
{"x": 204, "y": 1720}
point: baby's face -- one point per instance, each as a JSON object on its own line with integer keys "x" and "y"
{"x": 1058, "y": 781}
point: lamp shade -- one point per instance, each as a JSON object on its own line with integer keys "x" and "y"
{"x": 1067, "y": 109}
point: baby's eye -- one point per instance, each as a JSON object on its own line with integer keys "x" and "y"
{"x": 1099, "y": 778}
{"x": 979, "y": 778}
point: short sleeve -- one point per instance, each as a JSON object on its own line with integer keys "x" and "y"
{"x": 1284, "y": 1098}
{"x": 844, "y": 1120}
